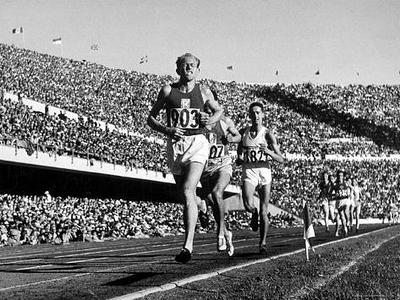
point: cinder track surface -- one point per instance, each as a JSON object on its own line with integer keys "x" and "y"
{"x": 113, "y": 268}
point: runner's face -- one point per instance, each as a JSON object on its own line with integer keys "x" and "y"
{"x": 326, "y": 177}
{"x": 188, "y": 69}
{"x": 340, "y": 177}
{"x": 256, "y": 115}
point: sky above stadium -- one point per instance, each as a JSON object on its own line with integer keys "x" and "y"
{"x": 347, "y": 41}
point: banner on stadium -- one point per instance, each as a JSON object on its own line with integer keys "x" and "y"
{"x": 57, "y": 41}
{"x": 17, "y": 30}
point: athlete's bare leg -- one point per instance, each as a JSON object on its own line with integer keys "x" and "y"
{"x": 326, "y": 215}
{"x": 187, "y": 184}
{"x": 337, "y": 220}
{"x": 265, "y": 194}
{"x": 248, "y": 190}
{"x": 351, "y": 215}
{"x": 343, "y": 218}
{"x": 217, "y": 194}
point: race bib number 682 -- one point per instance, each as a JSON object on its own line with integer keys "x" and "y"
{"x": 252, "y": 155}
{"x": 188, "y": 118}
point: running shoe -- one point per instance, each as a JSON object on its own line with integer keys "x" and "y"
{"x": 221, "y": 243}
{"x": 184, "y": 256}
{"x": 254, "y": 220}
{"x": 229, "y": 243}
{"x": 263, "y": 249}
{"x": 203, "y": 217}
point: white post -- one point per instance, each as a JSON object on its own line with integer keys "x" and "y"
{"x": 306, "y": 246}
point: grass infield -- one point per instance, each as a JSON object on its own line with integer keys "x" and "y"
{"x": 363, "y": 268}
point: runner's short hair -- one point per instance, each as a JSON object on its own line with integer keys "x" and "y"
{"x": 254, "y": 104}
{"x": 181, "y": 59}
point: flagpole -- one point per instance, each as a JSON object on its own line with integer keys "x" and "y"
{"x": 23, "y": 38}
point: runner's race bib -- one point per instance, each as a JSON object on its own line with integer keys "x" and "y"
{"x": 254, "y": 155}
{"x": 216, "y": 151}
{"x": 187, "y": 118}
{"x": 343, "y": 193}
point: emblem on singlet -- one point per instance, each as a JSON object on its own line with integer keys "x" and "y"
{"x": 185, "y": 117}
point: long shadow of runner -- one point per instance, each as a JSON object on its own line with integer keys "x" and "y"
{"x": 380, "y": 134}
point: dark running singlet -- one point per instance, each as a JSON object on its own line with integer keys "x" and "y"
{"x": 325, "y": 189}
{"x": 342, "y": 191}
{"x": 183, "y": 110}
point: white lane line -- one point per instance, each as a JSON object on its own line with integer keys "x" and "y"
{"x": 19, "y": 261}
{"x": 177, "y": 283}
{"x": 34, "y": 267}
{"x": 45, "y": 253}
{"x": 97, "y": 252}
{"x": 85, "y": 260}
{"x": 252, "y": 245}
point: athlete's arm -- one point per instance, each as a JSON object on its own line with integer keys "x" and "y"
{"x": 175, "y": 133}
{"x": 275, "y": 153}
{"x": 239, "y": 151}
{"x": 216, "y": 109}
{"x": 233, "y": 135}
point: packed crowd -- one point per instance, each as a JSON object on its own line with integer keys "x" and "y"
{"x": 56, "y": 133}
{"x": 27, "y": 219}
{"x": 59, "y": 220}
{"x": 123, "y": 98}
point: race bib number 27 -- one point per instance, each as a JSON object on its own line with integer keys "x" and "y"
{"x": 188, "y": 118}
{"x": 216, "y": 151}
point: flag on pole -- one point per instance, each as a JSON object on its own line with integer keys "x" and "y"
{"x": 317, "y": 73}
{"x": 17, "y": 30}
{"x": 230, "y": 68}
{"x": 143, "y": 60}
{"x": 308, "y": 228}
{"x": 57, "y": 41}
{"x": 276, "y": 73}
{"x": 94, "y": 47}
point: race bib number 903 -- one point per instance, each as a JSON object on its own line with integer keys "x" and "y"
{"x": 253, "y": 155}
{"x": 188, "y": 118}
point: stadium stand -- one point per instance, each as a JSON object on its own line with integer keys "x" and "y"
{"x": 312, "y": 123}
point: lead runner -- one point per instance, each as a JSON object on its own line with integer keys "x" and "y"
{"x": 187, "y": 146}
{"x": 257, "y": 147}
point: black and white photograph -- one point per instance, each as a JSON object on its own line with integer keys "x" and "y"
{"x": 199, "y": 149}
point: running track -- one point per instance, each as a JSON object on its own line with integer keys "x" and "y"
{"x": 113, "y": 268}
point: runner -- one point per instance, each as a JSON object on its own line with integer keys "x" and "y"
{"x": 187, "y": 146}
{"x": 342, "y": 194}
{"x": 255, "y": 151}
{"x": 356, "y": 189}
{"x": 217, "y": 174}
{"x": 325, "y": 187}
